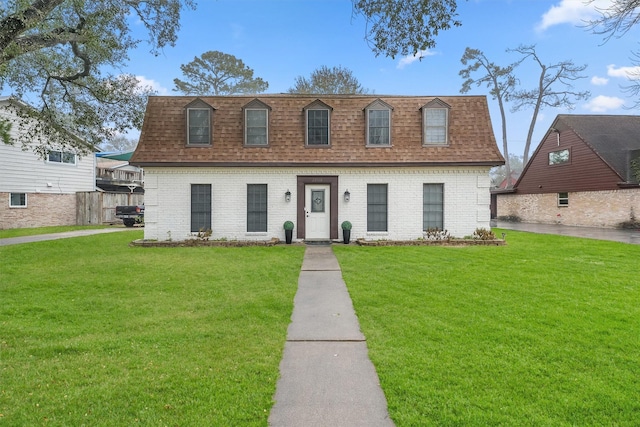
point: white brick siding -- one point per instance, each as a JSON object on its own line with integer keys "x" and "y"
{"x": 168, "y": 193}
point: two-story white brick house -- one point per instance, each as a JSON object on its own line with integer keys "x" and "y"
{"x": 243, "y": 165}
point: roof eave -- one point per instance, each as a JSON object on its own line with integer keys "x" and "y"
{"x": 312, "y": 164}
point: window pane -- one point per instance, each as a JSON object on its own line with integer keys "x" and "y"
{"x": 317, "y": 201}
{"x": 433, "y": 206}
{"x": 69, "y": 158}
{"x": 379, "y": 127}
{"x": 55, "y": 156}
{"x": 199, "y": 126}
{"x": 256, "y": 207}
{"x": 200, "y": 207}
{"x": 559, "y": 157}
{"x": 435, "y": 126}
{"x": 318, "y": 127}
{"x": 377, "y": 207}
{"x": 256, "y": 127}
{"x": 18, "y": 199}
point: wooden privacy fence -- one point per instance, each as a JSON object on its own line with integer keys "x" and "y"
{"x": 96, "y": 207}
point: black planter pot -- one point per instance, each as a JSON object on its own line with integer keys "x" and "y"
{"x": 288, "y": 234}
{"x": 346, "y": 236}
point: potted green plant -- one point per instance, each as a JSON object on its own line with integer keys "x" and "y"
{"x": 346, "y": 232}
{"x": 288, "y": 231}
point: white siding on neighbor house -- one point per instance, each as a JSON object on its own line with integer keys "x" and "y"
{"x": 24, "y": 172}
{"x": 168, "y": 214}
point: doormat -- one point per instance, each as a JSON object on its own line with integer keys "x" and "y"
{"x": 318, "y": 242}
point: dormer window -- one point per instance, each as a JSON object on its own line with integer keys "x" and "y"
{"x": 435, "y": 119}
{"x": 199, "y": 128}
{"x": 256, "y": 124}
{"x": 378, "y": 117}
{"x": 318, "y": 119}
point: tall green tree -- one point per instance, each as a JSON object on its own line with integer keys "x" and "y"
{"x": 501, "y": 82}
{"x": 554, "y": 89}
{"x": 405, "y": 27}
{"x": 64, "y": 56}
{"x": 218, "y": 73}
{"x": 325, "y": 80}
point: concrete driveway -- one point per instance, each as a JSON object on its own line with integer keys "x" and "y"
{"x": 613, "y": 234}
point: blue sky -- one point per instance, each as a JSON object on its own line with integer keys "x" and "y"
{"x": 283, "y": 39}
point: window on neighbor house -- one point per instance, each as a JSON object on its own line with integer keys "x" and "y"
{"x": 377, "y": 207}
{"x": 255, "y": 129}
{"x": 563, "y": 199}
{"x": 199, "y": 126}
{"x": 256, "y": 208}
{"x": 559, "y": 157}
{"x": 378, "y": 127}
{"x": 200, "y": 207}
{"x": 18, "y": 200}
{"x": 433, "y": 206}
{"x": 61, "y": 157}
{"x": 435, "y": 126}
{"x": 317, "y": 127}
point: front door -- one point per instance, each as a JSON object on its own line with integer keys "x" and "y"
{"x": 317, "y": 212}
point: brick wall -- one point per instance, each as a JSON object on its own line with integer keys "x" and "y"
{"x": 586, "y": 209}
{"x": 42, "y": 210}
{"x": 167, "y": 199}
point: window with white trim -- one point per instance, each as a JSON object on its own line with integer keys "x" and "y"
{"x": 18, "y": 200}
{"x": 435, "y": 126}
{"x": 563, "y": 199}
{"x": 198, "y": 126}
{"x": 318, "y": 127}
{"x": 378, "y": 127}
{"x": 256, "y": 126}
{"x": 61, "y": 157}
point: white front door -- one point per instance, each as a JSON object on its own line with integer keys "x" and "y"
{"x": 317, "y": 212}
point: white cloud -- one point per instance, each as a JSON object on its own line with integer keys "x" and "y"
{"x": 630, "y": 73}
{"x": 599, "y": 81}
{"x": 153, "y": 85}
{"x": 575, "y": 12}
{"x": 410, "y": 59}
{"x": 602, "y": 104}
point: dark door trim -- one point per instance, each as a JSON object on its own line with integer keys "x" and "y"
{"x": 333, "y": 183}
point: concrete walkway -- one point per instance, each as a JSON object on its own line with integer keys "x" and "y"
{"x": 613, "y": 234}
{"x": 326, "y": 377}
{"x": 63, "y": 235}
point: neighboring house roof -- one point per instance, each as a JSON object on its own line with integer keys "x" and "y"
{"x": 597, "y": 150}
{"x": 116, "y": 156}
{"x": 470, "y": 134}
{"x": 18, "y": 103}
{"x": 611, "y": 137}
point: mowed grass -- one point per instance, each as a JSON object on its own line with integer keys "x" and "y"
{"x": 94, "y": 332}
{"x": 19, "y": 232}
{"x": 542, "y": 332}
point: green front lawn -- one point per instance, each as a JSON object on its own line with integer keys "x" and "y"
{"x": 19, "y": 232}
{"x": 543, "y": 331}
{"x": 94, "y": 332}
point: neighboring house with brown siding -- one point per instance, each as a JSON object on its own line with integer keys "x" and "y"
{"x": 37, "y": 192}
{"x": 243, "y": 165}
{"x": 580, "y": 174}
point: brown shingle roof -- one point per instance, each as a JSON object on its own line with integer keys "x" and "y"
{"x": 163, "y": 137}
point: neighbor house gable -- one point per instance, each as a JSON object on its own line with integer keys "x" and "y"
{"x": 578, "y": 153}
